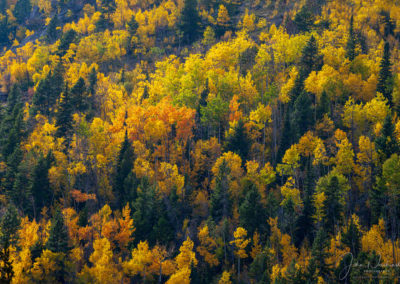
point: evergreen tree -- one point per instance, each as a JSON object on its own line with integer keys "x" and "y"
{"x": 385, "y": 80}
{"x": 310, "y": 59}
{"x": 123, "y": 169}
{"x": 58, "y": 235}
{"x": 352, "y": 238}
{"x": 251, "y": 210}
{"x": 43, "y": 97}
{"x": 40, "y": 188}
{"x": 351, "y": 42}
{"x": 9, "y": 225}
{"x": 239, "y": 142}
{"x": 3, "y": 6}
{"x": 92, "y": 81}
{"x": 133, "y": 25}
{"x": 64, "y": 116}
{"x": 51, "y": 31}
{"x": 304, "y": 226}
{"x": 220, "y": 202}
{"x": 304, "y": 19}
{"x": 302, "y": 117}
{"x": 286, "y": 135}
{"x": 190, "y": 19}
{"x": 78, "y": 97}
{"x": 4, "y": 30}
{"x": 332, "y": 207}
{"x": 386, "y": 143}
{"x": 324, "y": 105}
{"x": 22, "y": 10}
{"x": 319, "y": 254}
{"x": 65, "y": 41}
{"x": 260, "y": 268}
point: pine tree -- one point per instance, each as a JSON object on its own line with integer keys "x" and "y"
{"x": 40, "y": 187}
{"x": 324, "y": 105}
{"x": 386, "y": 143}
{"x": 123, "y": 169}
{"x": 286, "y": 135}
{"x": 352, "y": 238}
{"x": 190, "y": 19}
{"x": 9, "y": 225}
{"x": 22, "y": 10}
{"x": 4, "y": 30}
{"x": 332, "y": 207}
{"x": 304, "y": 226}
{"x": 351, "y": 42}
{"x": 310, "y": 59}
{"x": 78, "y": 97}
{"x": 65, "y": 41}
{"x": 317, "y": 265}
{"x": 302, "y": 117}
{"x": 51, "y": 31}
{"x": 58, "y": 235}
{"x": 220, "y": 202}
{"x": 304, "y": 19}
{"x": 239, "y": 142}
{"x": 3, "y": 6}
{"x": 385, "y": 80}
{"x": 64, "y": 116}
{"x": 43, "y": 97}
{"x": 251, "y": 210}
{"x": 133, "y": 25}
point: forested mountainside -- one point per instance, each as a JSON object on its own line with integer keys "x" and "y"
{"x": 199, "y": 141}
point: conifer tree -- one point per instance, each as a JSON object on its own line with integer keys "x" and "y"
{"x": 4, "y": 30}
{"x": 302, "y": 117}
{"x": 133, "y": 25}
{"x": 64, "y": 116}
{"x": 239, "y": 142}
{"x": 40, "y": 187}
{"x": 251, "y": 210}
{"x": 65, "y": 41}
{"x": 22, "y": 10}
{"x": 58, "y": 235}
{"x": 51, "y": 31}
{"x": 352, "y": 238}
{"x": 220, "y": 202}
{"x": 123, "y": 169}
{"x": 190, "y": 19}
{"x": 319, "y": 253}
{"x": 351, "y": 42}
{"x": 386, "y": 143}
{"x": 332, "y": 207}
{"x": 9, "y": 225}
{"x": 385, "y": 80}
{"x": 78, "y": 98}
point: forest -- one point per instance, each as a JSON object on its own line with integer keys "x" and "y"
{"x": 200, "y": 141}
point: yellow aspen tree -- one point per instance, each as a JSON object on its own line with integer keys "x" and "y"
{"x": 225, "y": 278}
{"x": 240, "y": 242}
{"x": 207, "y": 247}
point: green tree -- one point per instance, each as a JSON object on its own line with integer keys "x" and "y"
{"x": 189, "y": 21}
{"x": 385, "y": 79}
{"x": 78, "y": 96}
{"x": 239, "y": 142}
{"x": 302, "y": 117}
{"x": 40, "y": 187}
{"x": 58, "y": 235}
{"x": 351, "y": 42}
{"x": 9, "y": 225}
{"x": 352, "y": 238}
{"x": 64, "y": 116}
{"x": 319, "y": 253}
{"x": 51, "y": 31}
{"x": 386, "y": 143}
{"x": 65, "y": 41}
{"x": 304, "y": 19}
{"x": 22, "y": 10}
{"x": 220, "y": 204}
{"x": 251, "y": 210}
{"x": 123, "y": 169}
{"x": 332, "y": 207}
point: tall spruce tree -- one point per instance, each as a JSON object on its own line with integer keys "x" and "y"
{"x": 22, "y": 10}
{"x": 239, "y": 142}
{"x": 220, "y": 204}
{"x": 9, "y": 225}
{"x": 123, "y": 169}
{"x": 40, "y": 187}
{"x": 251, "y": 210}
{"x": 385, "y": 80}
{"x": 189, "y": 22}
{"x": 386, "y": 143}
{"x": 318, "y": 265}
{"x": 302, "y": 117}
{"x": 58, "y": 235}
{"x": 64, "y": 116}
{"x": 351, "y": 42}
{"x": 332, "y": 207}
{"x": 51, "y": 31}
